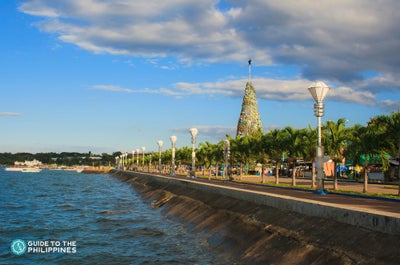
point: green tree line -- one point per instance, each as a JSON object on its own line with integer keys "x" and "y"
{"x": 62, "y": 159}
{"x": 379, "y": 140}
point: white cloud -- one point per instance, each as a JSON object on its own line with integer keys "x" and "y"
{"x": 9, "y": 114}
{"x": 268, "y": 89}
{"x": 112, "y": 88}
{"x": 336, "y": 41}
{"x": 208, "y": 131}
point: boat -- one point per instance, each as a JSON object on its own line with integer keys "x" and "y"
{"x": 24, "y": 169}
{"x": 31, "y": 170}
{"x": 14, "y": 169}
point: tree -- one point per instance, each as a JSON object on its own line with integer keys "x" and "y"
{"x": 208, "y": 155}
{"x": 274, "y": 147}
{"x": 309, "y": 138}
{"x": 258, "y": 151}
{"x": 335, "y": 138}
{"x": 386, "y": 133}
{"x": 292, "y": 139}
{"x": 240, "y": 151}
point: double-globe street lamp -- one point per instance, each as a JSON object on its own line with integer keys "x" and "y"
{"x": 193, "y": 133}
{"x": 318, "y": 91}
{"x": 173, "y": 139}
{"x": 160, "y": 144}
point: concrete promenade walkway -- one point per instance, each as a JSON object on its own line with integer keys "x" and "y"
{"x": 382, "y": 207}
{"x": 343, "y": 185}
{"x": 379, "y": 214}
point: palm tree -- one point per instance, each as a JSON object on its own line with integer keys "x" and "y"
{"x": 387, "y": 130}
{"x": 293, "y": 145}
{"x": 217, "y": 153}
{"x": 273, "y": 142}
{"x": 335, "y": 138}
{"x": 258, "y": 151}
{"x": 360, "y": 145}
{"x": 309, "y": 138}
{"x": 183, "y": 156}
{"x": 206, "y": 155}
{"x": 240, "y": 151}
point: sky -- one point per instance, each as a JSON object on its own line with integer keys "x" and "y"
{"x": 106, "y": 76}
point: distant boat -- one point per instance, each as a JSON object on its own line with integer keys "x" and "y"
{"x": 31, "y": 170}
{"x": 15, "y": 169}
{"x": 24, "y": 169}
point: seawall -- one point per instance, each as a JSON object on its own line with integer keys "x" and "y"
{"x": 250, "y": 228}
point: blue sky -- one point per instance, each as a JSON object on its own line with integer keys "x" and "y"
{"x": 105, "y": 76}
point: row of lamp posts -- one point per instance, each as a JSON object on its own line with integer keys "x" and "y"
{"x": 173, "y": 139}
{"x": 121, "y": 160}
{"x": 317, "y": 90}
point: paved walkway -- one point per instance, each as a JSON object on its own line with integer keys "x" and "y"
{"x": 342, "y": 185}
{"x": 378, "y": 206}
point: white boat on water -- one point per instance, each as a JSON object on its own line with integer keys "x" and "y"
{"x": 15, "y": 169}
{"x": 24, "y": 169}
{"x": 31, "y": 170}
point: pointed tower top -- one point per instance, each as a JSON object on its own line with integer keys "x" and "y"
{"x": 249, "y": 77}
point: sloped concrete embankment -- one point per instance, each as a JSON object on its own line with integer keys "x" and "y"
{"x": 252, "y": 233}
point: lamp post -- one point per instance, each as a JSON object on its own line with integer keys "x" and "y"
{"x": 126, "y": 160}
{"x": 149, "y": 163}
{"x": 143, "y": 149}
{"x": 117, "y": 162}
{"x": 226, "y": 156}
{"x": 318, "y": 91}
{"x": 133, "y": 159}
{"x": 173, "y": 139}
{"x": 159, "y": 143}
{"x": 137, "y": 159}
{"x": 193, "y": 133}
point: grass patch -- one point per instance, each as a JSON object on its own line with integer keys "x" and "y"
{"x": 371, "y": 194}
{"x": 391, "y": 187}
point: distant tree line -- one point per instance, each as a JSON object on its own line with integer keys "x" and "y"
{"x": 61, "y": 159}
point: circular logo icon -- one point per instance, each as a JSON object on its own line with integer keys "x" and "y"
{"x": 18, "y": 247}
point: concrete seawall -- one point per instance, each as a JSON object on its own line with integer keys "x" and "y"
{"x": 274, "y": 229}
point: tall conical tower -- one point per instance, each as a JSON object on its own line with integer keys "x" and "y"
{"x": 249, "y": 120}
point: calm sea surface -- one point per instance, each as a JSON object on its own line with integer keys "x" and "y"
{"x": 101, "y": 219}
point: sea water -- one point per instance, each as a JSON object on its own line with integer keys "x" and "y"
{"x": 61, "y": 217}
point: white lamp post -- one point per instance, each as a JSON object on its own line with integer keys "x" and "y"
{"x": 143, "y": 149}
{"x": 137, "y": 159}
{"x": 226, "y": 156}
{"x": 160, "y": 144}
{"x": 133, "y": 159}
{"x": 126, "y": 159}
{"x": 318, "y": 91}
{"x": 149, "y": 162}
{"x": 173, "y": 139}
{"x": 193, "y": 133}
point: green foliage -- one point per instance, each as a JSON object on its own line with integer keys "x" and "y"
{"x": 64, "y": 158}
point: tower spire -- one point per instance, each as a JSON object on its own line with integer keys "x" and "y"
{"x": 249, "y": 77}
